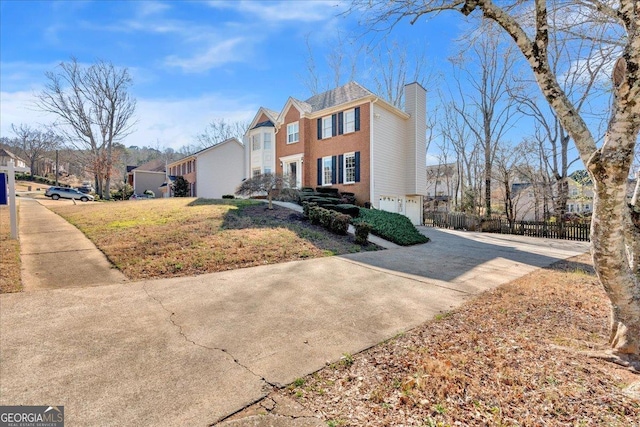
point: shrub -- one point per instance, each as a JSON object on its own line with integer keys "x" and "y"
{"x": 228, "y": 196}
{"x": 348, "y": 198}
{"x": 326, "y": 217}
{"x": 314, "y": 214}
{"x": 391, "y": 226}
{"x": 288, "y": 195}
{"x": 362, "y": 232}
{"x": 305, "y": 208}
{"x": 340, "y": 223}
{"x": 327, "y": 190}
{"x": 352, "y": 210}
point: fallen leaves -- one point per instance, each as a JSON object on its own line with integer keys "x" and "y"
{"x": 515, "y": 356}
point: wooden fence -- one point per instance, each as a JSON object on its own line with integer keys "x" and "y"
{"x": 552, "y": 230}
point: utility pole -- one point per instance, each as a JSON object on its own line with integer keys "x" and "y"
{"x": 57, "y": 170}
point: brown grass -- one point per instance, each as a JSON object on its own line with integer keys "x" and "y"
{"x": 9, "y": 256}
{"x": 513, "y": 357}
{"x": 186, "y": 236}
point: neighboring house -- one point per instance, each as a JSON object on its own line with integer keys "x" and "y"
{"x": 580, "y": 196}
{"x": 442, "y": 184}
{"x": 214, "y": 171}
{"x": 148, "y": 176}
{"x": 6, "y": 156}
{"x": 350, "y": 139}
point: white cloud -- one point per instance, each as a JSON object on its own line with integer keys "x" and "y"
{"x": 218, "y": 54}
{"x": 284, "y": 11}
{"x": 171, "y": 122}
{"x": 152, "y": 7}
{"x": 19, "y": 107}
{"x": 174, "y": 123}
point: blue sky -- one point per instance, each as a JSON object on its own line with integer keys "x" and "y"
{"x": 191, "y": 61}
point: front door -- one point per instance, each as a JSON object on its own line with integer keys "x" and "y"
{"x": 292, "y": 170}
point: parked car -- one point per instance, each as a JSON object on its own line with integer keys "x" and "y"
{"x": 67, "y": 193}
{"x": 85, "y": 189}
{"x": 143, "y": 196}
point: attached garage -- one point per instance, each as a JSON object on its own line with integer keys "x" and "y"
{"x": 409, "y": 206}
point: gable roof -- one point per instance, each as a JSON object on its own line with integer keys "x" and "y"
{"x": 6, "y": 153}
{"x": 272, "y": 117}
{"x": 157, "y": 165}
{"x": 204, "y": 150}
{"x": 350, "y": 92}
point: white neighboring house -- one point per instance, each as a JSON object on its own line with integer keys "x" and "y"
{"x": 214, "y": 171}
{"x": 147, "y": 177}
{"x": 6, "y": 156}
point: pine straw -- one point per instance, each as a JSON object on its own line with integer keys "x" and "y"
{"x": 513, "y": 357}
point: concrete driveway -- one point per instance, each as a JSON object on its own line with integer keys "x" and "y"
{"x": 191, "y": 351}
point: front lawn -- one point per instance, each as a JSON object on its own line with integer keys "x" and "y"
{"x": 186, "y": 236}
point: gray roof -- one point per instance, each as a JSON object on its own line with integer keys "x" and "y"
{"x": 156, "y": 165}
{"x": 350, "y": 92}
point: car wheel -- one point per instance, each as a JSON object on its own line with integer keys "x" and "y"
{"x": 55, "y": 196}
{"x": 84, "y": 199}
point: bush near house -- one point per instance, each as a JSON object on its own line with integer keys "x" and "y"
{"x": 362, "y": 232}
{"x": 391, "y": 226}
{"x": 331, "y": 220}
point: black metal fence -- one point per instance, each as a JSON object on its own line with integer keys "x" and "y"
{"x": 552, "y": 230}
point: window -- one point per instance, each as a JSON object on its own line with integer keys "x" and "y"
{"x": 349, "y": 121}
{"x": 350, "y": 168}
{"x": 327, "y": 127}
{"x": 573, "y": 192}
{"x": 255, "y": 172}
{"x": 327, "y": 171}
{"x": 255, "y": 142}
{"x": 266, "y": 138}
{"x": 293, "y": 132}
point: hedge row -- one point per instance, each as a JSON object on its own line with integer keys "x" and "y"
{"x": 391, "y": 226}
{"x": 331, "y": 220}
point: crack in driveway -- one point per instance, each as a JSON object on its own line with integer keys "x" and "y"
{"x": 268, "y": 384}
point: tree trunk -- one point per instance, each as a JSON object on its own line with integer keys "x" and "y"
{"x": 610, "y": 250}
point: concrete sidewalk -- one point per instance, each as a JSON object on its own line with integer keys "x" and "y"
{"x": 55, "y": 254}
{"x": 193, "y": 350}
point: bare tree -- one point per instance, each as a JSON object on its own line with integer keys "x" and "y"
{"x": 615, "y": 239}
{"x": 266, "y": 183}
{"x": 579, "y": 63}
{"x": 390, "y": 65}
{"x": 94, "y": 110}
{"x": 220, "y": 130}
{"x": 483, "y": 100}
{"x": 34, "y": 143}
{"x": 454, "y": 131}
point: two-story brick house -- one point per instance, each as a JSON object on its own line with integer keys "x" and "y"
{"x": 350, "y": 139}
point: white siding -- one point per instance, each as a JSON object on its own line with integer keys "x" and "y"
{"x": 148, "y": 180}
{"x": 416, "y": 106}
{"x": 262, "y": 158}
{"x": 389, "y": 154}
{"x": 219, "y": 170}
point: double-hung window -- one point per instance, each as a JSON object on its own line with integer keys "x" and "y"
{"x": 293, "y": 132}
{"x": 349, "y": 168}
{"x": 349, "y": 121}
{"x": 266, "y": 138}
{"x": 255, "y": 142}
{"x": 327, "y": 170}
{"x": 327, "y": 127}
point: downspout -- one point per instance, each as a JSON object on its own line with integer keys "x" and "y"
{"x": 371, "y": 157}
